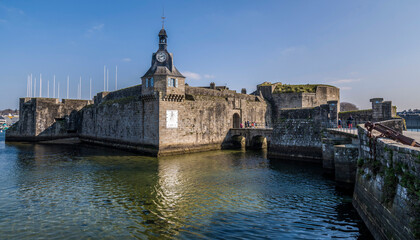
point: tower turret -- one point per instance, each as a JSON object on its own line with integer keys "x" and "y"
{"x": 163, "y": 76}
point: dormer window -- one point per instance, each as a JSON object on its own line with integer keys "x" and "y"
{"x": 172, "y": 82}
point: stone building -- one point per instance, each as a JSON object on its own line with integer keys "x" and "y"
{"x": 163, "y": 115}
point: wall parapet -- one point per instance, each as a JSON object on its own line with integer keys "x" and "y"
{"x": 217, "y": 93}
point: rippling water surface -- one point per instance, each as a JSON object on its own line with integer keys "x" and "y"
{"x": 79, "y": 192}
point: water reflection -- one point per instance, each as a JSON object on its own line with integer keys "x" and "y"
{"x": 80, "y": 192}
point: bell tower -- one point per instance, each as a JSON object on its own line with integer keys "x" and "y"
{"x": 162, "y": 76}
{"x": 162, "y": 39}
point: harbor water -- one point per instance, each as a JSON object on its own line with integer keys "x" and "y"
{"x": 81, "y": 192}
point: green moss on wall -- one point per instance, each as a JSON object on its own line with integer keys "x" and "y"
{"x": 360, "y": 162}
{"x": 374, "y": 166}
{"x": 390, "y": 185}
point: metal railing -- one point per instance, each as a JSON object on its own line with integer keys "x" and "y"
{"x": 346, "y": 126}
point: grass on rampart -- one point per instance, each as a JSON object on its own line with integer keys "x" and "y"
{"x": 307, "y": 88}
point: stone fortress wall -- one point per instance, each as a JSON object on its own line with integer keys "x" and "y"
{"x": 381, "y": 110}
{"x": 137, "y": 122}
{"x": 297, "y": 133}
{"x": 285, "y": 96}
{"x": 206, "y": 116}
{"x": 129, "y": 120}
{"x": 123, "y": 119}
{"x": 46, "y": 119}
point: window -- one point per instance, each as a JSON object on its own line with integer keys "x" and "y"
{"x": 149, "y": 82}
{"x": 172, "y": 82}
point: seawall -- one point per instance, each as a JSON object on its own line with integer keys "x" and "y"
{"x": 297, "y": 133}
{"x": 387, "y": 188}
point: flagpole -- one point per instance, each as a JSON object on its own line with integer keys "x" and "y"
{"x": 54, "y": 88}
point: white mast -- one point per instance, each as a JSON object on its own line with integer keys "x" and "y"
{"x": 35, "y": 88}
{"x": 30, "y": 87}
{"x": 80, "y": 88}
{"x": 48, "y": 88}
{"x": 68, "y": 86}
{"x": 116, "y": 76}
{"x": 90, "y": 89}
{"x": 107, "y": 79}
{"x": 27, "y": 85}
{"x": 104, "y": 77}
{"x": 54, "y": 88}
{"x": 40, "y": 85}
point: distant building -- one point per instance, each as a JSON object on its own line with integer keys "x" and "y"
{"x": 2, "y": 121}
{"x": 412, "y": 118}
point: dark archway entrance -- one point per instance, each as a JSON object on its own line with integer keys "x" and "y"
{"x": 259, "y": 142}
{"x": 236, "y": 120}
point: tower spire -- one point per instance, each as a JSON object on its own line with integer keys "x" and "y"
{"x": 162, "y": 33}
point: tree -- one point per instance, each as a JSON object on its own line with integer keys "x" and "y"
{"x": 346, "y": 106}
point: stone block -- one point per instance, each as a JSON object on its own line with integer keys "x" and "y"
{"x": 345, "y": 162}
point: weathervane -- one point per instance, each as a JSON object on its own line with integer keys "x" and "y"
{"x": 163, "y": 17}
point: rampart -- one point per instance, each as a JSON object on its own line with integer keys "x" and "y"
{"x": 381, "y": 110}
{"x": 285, "y": 96}
{"x": 46, "y": 119}
{"x": 122, "y": 119}
{"x": 297, "y": 133}
{"x": 129, "y": 120}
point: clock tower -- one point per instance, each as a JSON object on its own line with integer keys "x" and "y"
{"x": 162, "y": 76}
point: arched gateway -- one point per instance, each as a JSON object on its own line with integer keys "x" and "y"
{"x": 236, "y": 120}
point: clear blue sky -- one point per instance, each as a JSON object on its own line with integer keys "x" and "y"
{"x": 367, "y": 48}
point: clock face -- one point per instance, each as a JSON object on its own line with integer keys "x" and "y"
{"x": 161, "y": 56}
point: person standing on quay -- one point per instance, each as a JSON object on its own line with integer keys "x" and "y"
{"x": 350, "y": 122}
